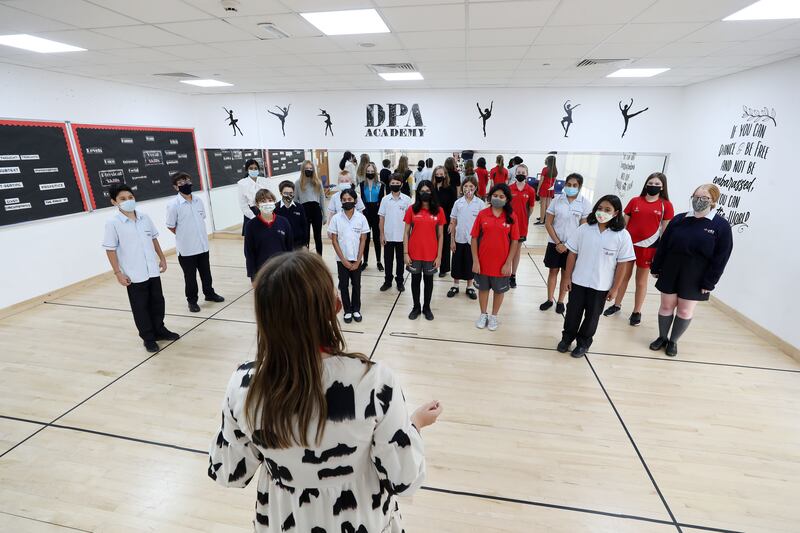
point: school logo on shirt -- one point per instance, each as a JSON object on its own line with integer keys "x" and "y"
{"x": 709, "y": 230}
{"x": 394, "y": 120}
{"x": 281, "y": 232}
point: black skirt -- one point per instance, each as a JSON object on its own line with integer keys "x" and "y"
{"x": 683, "y": 275}
{"x": 461, "y": 264}
{"x": 553, "y": 259}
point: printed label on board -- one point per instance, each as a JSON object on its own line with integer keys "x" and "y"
{"x": 17, "y": 207}
{"x": 153, "y": 157}
{"x": 11, "y": 185}
{"x": 149, "y": 138}
{"x": 136, "y": 178}
{"x": 170, "y": 152}
{"x": 182, "y": 156}
{"x": 9, "y": 157}
{"x": 109, "y": 161}
{"x": 29, "y": 157}
{"x": 51, "y": 186}
{"x": 10, "y": 201}
{"x": 130, "y": 161}
{"x": 54, "y": 201}
{"x": 173, "y": 141}
{"x": 94, "y": 150}
{"x": 126, "y": 140}
{"x": 111, "y": 177}
{"x": 133, "y": 170}
{"x": 172, "y": 161}
{"x": 47, "y": 170}
{"x": 9, "y": 170}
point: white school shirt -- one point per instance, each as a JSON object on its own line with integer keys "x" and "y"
{"x": 598, "y": 255}
{"x": 189, "y": 220}
{"x": 247, "y": 189}
{"x": 133, "y": 242}
{"x": 465, "y": 213}
{"x": 348, "y": 231}
{"x": 335, "y": 204}
{"x": 393, "y": 210}
{"x": 567, "y": 215}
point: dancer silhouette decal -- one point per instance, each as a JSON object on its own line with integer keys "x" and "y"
{"x": 284, "y": 112}
{"x": 624, "y": 110}
{"x": 328, "y": 123}
{"x": 486, "y": 114}
{"x": 233, "y": 122}
{"x": 566, "y": 122}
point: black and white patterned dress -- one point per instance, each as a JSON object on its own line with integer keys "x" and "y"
{"x": 369, "y": 453}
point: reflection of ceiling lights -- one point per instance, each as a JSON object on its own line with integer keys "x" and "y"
{"x": 352, "y": 22}
{"x": 637, "y": 72}
{"x": 207, "y": 83}
{"x": 401, "y": 76}
{"x": 768, "y": 10}
{"x": 37, "y": 44}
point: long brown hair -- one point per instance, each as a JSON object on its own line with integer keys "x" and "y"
{"x": 446, "y": 181}
{"x": 550, "y": 163}
{"x": 663, "y": 179}
{"x": 362, "y": 167}
{"x": 469, "y": 168}
{"x": 295, "y": 305}
{"x": 402, "y": 165}
{"x": 314, "y": 179}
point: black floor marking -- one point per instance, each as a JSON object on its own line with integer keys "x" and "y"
{"x": 45, "y": 522}
{"x": 431, "y": 489}
{"x": 386, "y": 322}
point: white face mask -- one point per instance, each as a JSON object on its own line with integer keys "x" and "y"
{"x": 128, "y": 205}
{"x": 252, "y": 173}
{"x": 602, "y": 216}
{"x": 344, "y": 186}
{"x": 266, "y": 208}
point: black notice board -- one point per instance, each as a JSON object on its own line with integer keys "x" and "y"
{"x": 226, "y": 165}
{"x": 285, "y": 161}
{"x": 38, "y": 178}
{"x": 140, "y": 157}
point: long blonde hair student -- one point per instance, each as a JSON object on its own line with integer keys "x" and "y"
{"x": 446, "y": 181}
{"x": 287, "y": 393}
{"x": 313, "y": 180}
{"x": 362, "y": 168}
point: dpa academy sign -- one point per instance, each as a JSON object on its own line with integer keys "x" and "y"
{"x": 394, "y": 120}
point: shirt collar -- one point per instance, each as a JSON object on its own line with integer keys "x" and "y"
{"x": 710, "y": 214}
{"x": 182, "y": 199}
{"x": 291, "y": 204}
{"x": 124, "y": 218}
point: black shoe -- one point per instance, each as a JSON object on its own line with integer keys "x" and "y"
{"x": 428, "y": 314}
{"x": 471, "y": 294}
{"x": 443, "y": 274}
{"x": 401, "y": 287}
{"x": 363, "y": 267}
{"x": 658, "y": 344}
{"x": 512, "y": 281}
{"x": 546, "y": 305}
{"x": 612, "y": 310}
{"x": 579, "y": 351}
{"x": 215, "y": 298}
{"x": 563, "y": 346}
{"x": 636, "y": 319}
{"x": 452, "y": 292}
{"x": 167, "y": 335}
{"x": 380, "y": 267}
{"x": 414, "y": 314}
{"x": 560, "y": 308}
{"x": 672, "y": 348}
{"x": 151, "y": 346}
{"x": 357, "y": 316}
{"x": 193, "y": 307}
{"x": 348, "y": 317}
{"x": 386, "y": 286}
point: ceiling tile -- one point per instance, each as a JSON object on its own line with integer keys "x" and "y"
{"x": 691, "y": 10}
{"x": 310, "y": 45}
{"x": 759, "y": 48}
{"x": 432, "y": 39}
{"x": 85, "y": 39}
{"x": 438, "y": 54}
{"x": 245, "y": 8}
{"x": 624, "y": 51}
{"x": 206, "y": 31}
{"x": 654, "y": 33}
{"x": 305, "y": 6}
{"x": 393, "y": 3}
{"x": 141, "y": 54}
{"x": 436, "y": 17}
{"x": 346, "y": 69}
{"x": 529, "y": 14}
{"x": 291, "y": 24}
{"x": 382, "y": 41}
{"x": 144, "y": 35}
{"x": 504, "y": 64}
{"x": 339, "y": 58}
{"x": 442, "y": 66}
{"x": 14, "y": 20}
{"x": 554, "y": 51}
{"x": 579, "y": 12}
{"x": 152, "y": 11}
{"x": 551, "y": 64}
{"x": 507, "y": 37}
{"x": 249, "y": 48}
{"x": 195, "y": 51}
{"x": 682, "y": 49}
{"x": 789, "y": 32}
{"x": 593, "y": 34}
{"x": 78, "y": 13}
{"x": 736, "y": 30}
{"x": 378, "y": 56}
{"x": 497, "y": 52}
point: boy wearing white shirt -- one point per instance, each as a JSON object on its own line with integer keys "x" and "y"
{"x": 335, "y": 203}
{"x": 131, "y": 244}
{"x": 348, "y": 231}
{"x": 390, "y": 213}
{"x": 186, "y": 218}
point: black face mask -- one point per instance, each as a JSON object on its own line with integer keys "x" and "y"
{"x": 521, "y": 177}
{"x": 370, "y": 175}
{"x": 395, "y": 188}
{"x": 438, "y": 179}
{"x": 347, "y": 206}
{"x": 652, "y": 190}
{"x": 186, "y": 188}
{"x": 425, "y": 196}
{"x": 308, "y": 173}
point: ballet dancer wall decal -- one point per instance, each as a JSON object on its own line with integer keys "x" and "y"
{"x": 284, "y": 112}
{"x": 624, "y": 110}
{"x": 233, "y": 122}
{"x": 328, "y": 122}
{"x": 486, "y": 114}
{"x": 566, "y": 122}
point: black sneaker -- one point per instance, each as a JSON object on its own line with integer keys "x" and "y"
{"x": 215, "y": 298}
{"x": 471, "y": 294}
{"x": 363, "y": 266}
{"x": 452, "y": 292}
{"x": 414, "y": 314}
{"x": 380, "y": 267}
{"x": 401, "y": 287}
{"x": 512, "y": 281}
{"x": 443, "y": 274}
{"x": 386, "y": 286}
{"x": 658, "y": 344}
{"x": 428, "y": 314}
{"x": 579, "y": 351}
{"x": 546, "y": 305}
{"x": 560, "y": 308}
{"x": 167, "y": 335}
{"x": 612, "y": 310}
{"x": 151, "y": 346}
{"x": 193, "y": 307}
{"x": 348, "y": 318}
{"x": 636, "y": 319}
{"x": 563, "y": 346}
{"x": 672, "y": 348}
{"x": 357, "y": 316}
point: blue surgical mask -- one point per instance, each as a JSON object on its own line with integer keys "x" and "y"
{"x": 345, "y": 186}
{"x": 571, "y": 191}
{"x": 252, "y": 173}
{"x": 128, "y": 205}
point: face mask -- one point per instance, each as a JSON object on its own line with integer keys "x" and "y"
{"x": 498, "y": 203}
{"x": 347, "y": 206}
{"x": 700, "y": 204}
{"x": 652, "y": 190}
{"x": 469, "y": 193}
{"x": 252, "y": 173}
{"x": 128, "y": 205}
{"x": 439, "y": 179}
{"x": 267, "y": 208}
{"x": 395, "y": 188}
{"x": 370, "y": 175}
{"x": 308, "y": 172}
{"x": 521, "y": 177}
{"x": 602, "y": 216}
{"x": 425, "y": 196}
{"x": 344, "y": 186}
{"x": 571, "y": 191}
{"x": 185, "y": 188}
{"x": 288, "y": 197}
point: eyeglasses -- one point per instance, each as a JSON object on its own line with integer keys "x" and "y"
{"x": 183, "y": 182}
{"x": 702, "y": 197}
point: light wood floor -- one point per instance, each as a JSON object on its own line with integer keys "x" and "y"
{"x": 95, "y": 435}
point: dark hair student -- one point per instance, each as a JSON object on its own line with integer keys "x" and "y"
{"x": 663, "y": 194}
{"x": 114, "y": 191}
{"x": 249, "y": 163}
{"x": 347, "y": 156}
{"x": 433, "y": 203}
{"x": 507, "y": 208}
{"x": 615, "y": 224}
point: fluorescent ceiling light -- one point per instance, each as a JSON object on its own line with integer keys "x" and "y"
{"x": 768, "y": 10}
{"x": 37, "y": 44}
{"x": 207, "y": 83}
{"x": 401, "y": 76}
{"x": 352, "y": 22}
{"x": 637, "y": 72}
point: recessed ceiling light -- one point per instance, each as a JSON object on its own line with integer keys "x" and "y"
{"x": 207, "y": 83}
{"x": 352, "y": 22}
{"x": 366, "y": 45}
{"x": 768, "y": 10}
{"x": 401, "y": 76}
{"x": 637, "y": 72}
{"x": 37, "y": 44}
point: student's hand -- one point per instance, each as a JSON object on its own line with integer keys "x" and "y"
{"x": 347, "y": 264}
{"x": 452, "y": 245}
{"x": 567, "y": 281}
{"x": 426, "y": 414}
{"x": 123, "y": 279}
{"x": 450, "y": 229}
{"x": 407, "y": 260}
{"x": 561, "y": 248}
{"x": 383, "y": 240}
{"x": 612, "y": 294}
{"x": 506, "y": 270}
{"x": 476, "y": 267}
{"x": 437, "y": 262}
{"x": 355, "y": 264}
{"x": 162, "y": 264}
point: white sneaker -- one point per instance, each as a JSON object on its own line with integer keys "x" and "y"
{"x": 482, "y": 320}
{"x": 492, "y": 322}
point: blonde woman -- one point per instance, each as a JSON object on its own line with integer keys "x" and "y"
{"x": 403, "y": 170}
{"x": 361, "y": 169}
{"x": 311, "y": 195}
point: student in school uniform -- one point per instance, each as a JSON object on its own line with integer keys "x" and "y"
{"x": 344, "y": 183}
{"x": 495, "y": 239}
{"x": 372, "y": 192}
{"x": 499, "y": 174}
{"x": 266, "y": 235}
{"x": 295, "y": 214}
{"x": 422, "y": 240}
{"x": 564, "y": 215}
{"x": 523, "y": 198}
{"x": 386, "y": 172}
{"x": 600, "y": 253}
{"x": 446, "y": 192}
{"x": 391, "y": 213}
{"x": 547, "y": 185}
{"x": 483, "y": 178}
{"x": 247, "y": 188}
{"x": 186, "y": 218}
{"x": 646, "y": 218}
{"x": 131, "y": 244}
{"x": 689, "y": 262}
{"x": 349, "y": 230}
{"x": 462, "y": 218}
{"x": 310, "y": 193}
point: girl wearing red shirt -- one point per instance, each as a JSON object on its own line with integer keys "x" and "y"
{"x": 523, "y": 198}
{"x": 483, "y": 178}
{"x": 546, "y": 186}
{"x": 646, "y": 218}
{"x": 423, "y": 245}
{"x": 495, "y": 240}
{"x": 499, "y": 174}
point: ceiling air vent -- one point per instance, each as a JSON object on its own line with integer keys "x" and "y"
{"x": 384, "y": 68}
{"x": 593, "y": 62}
{"x": 181, "y": 75}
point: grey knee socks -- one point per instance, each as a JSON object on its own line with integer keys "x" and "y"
{"x": 679, "y": 328}
{"x": 664, "y": 323}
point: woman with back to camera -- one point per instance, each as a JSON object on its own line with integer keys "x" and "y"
{"x": 247, "y": 188}
{"x": 419, "y": 173}
{"x": 499, "y": 173}
{"x": 361, "y": 170}
{"x": 646, "y": 218}
{"x": 348, "y": 163}
{"x": 547, "y": 184}
{"x": 446, "y": 195}
{"x": 311, "y": 195}
{"x": 403, "y": 170}
{"x": 688, "y": 263}
{"x": 483, "y": 178}
{"x": 328, "y": 431}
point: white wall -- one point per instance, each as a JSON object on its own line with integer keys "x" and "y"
{"x": 761, "y": 279}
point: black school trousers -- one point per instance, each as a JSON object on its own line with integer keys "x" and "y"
{"x": 314, "y": 218}
{"x": 351, "y": 301}
{"x": 583, "y": 314}
{"x": 147, "y": 304}
{"x": 191, "y": 265}
{"x": 374, "y": 221}
{"x": 393, "y": 255}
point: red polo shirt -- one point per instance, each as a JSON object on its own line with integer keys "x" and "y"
{"x": 423, "y": 244}
{"x": 521, "y": 200}
{"x": 495, "y": 236}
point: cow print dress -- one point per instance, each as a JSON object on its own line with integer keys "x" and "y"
{"x": 369, "y": 454}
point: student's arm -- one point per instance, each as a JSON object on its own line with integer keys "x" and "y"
{"x": 661, "y": 251}
{"x": 722, "y": 252}
{"x": 512, "y": 250}
{"x": 440, "y": 239}
{"x": 162, "y": 261}
{"x": 548, "y": 226}
{"x": 406, "y": 234}
{"x": 476, "y": 264}
{"x": 567, "y": 277}
{"x": 360, "y": 257}
{"x": 120, "y": 275}
{"x": 322, "y": 203}
{"x": 250, "y": 251}
{"x": 622, "y": 272}
{"x": 627, "y": 218}
{"x": 381, "y": 220}
{"x": 172, "y": 218}
{"x": 288, "y": 239}
{"x": 244, "y": 206}
{"x": 335, "y": 242}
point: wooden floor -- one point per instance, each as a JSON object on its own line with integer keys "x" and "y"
{"x": 97, "y": 435}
